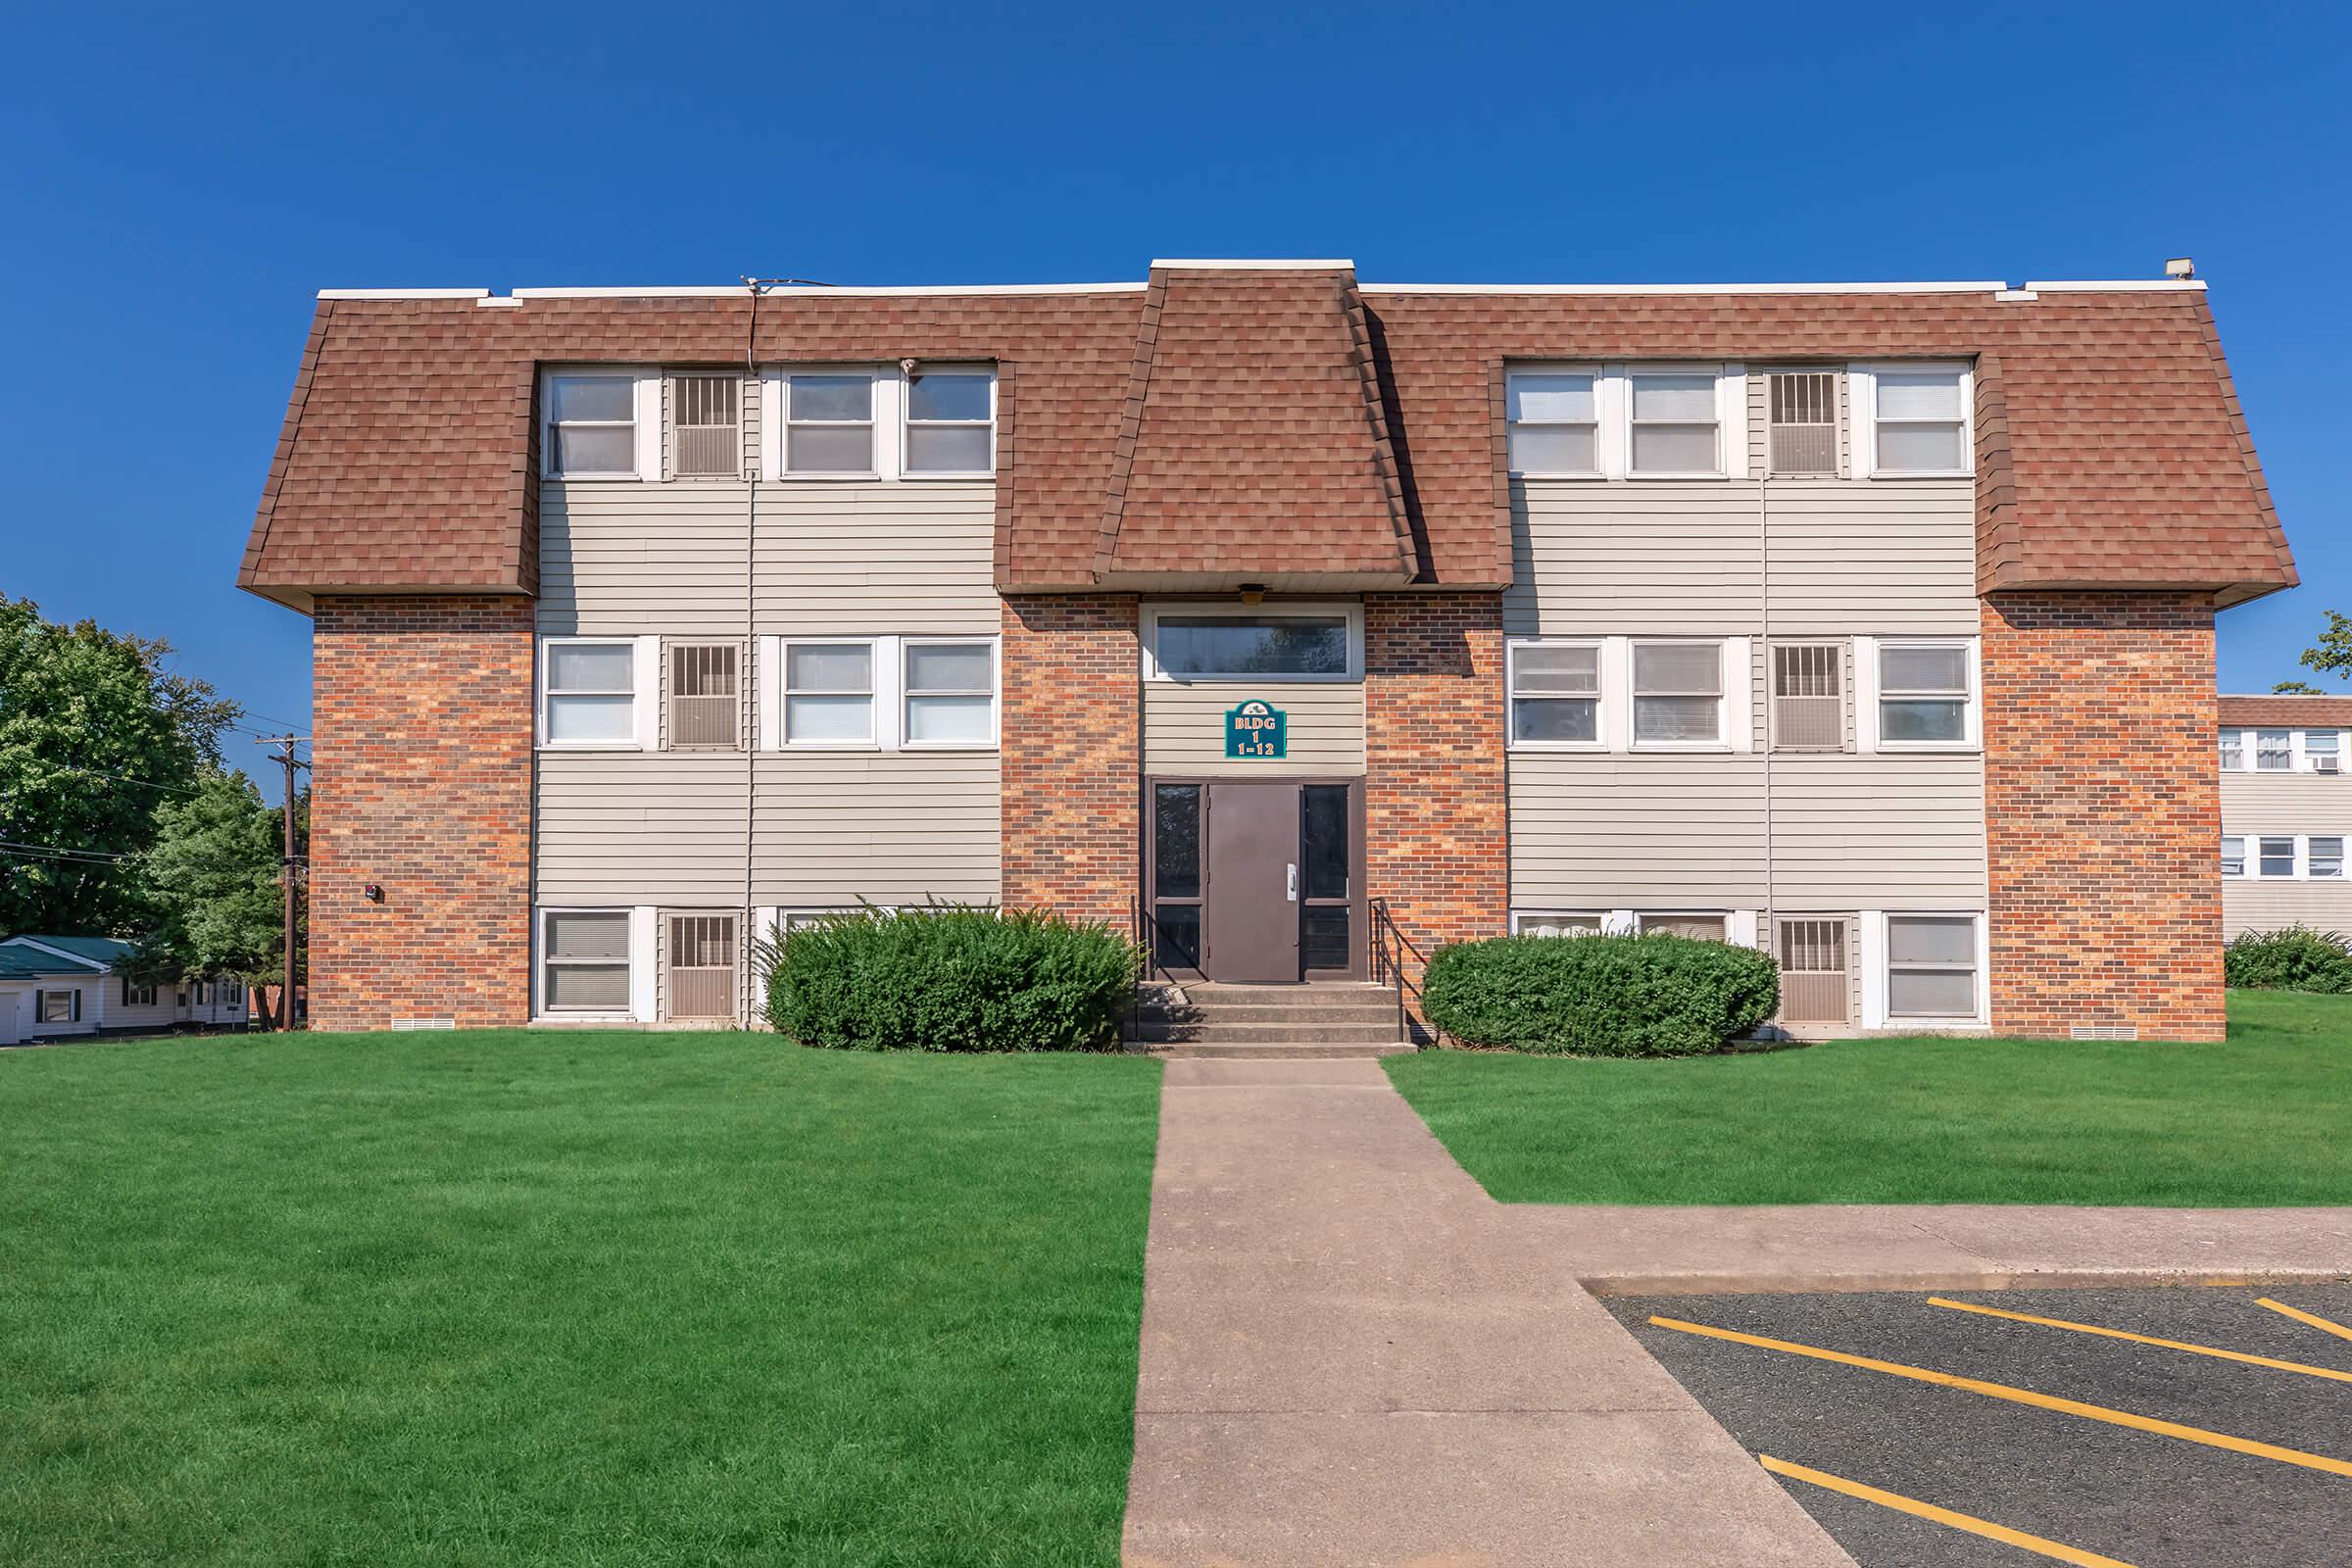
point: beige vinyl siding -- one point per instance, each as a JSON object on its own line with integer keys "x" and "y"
{"x": 627, "y": 828}
{"x": 1184, "y": 727}
{"x": 900, "y": 827}
{"x": 1601, "y": 832}
{"x": 918, "y": 558}
{"x": 1882, "y": 832}
{"x": 1684, "y": 557}
{"x": 2259, "y": 903}
{"x": 641, "y": 557}
{"x": 2275, "y": 804}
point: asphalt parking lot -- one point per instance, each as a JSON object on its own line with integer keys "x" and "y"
{"x": 2250, "y": 1463}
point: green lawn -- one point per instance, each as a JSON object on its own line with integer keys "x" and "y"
{"x": 566, "y": 1298}
{"x": 2259, "y": 1120}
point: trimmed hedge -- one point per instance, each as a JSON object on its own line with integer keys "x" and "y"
{"x": 1600, "y": 995}
{"x": 2294, "y": 958}
{"x": 952, "y": 979}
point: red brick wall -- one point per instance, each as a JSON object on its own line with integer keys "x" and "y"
{"x": 421, "y": 783}
{"x": 1072, "y": 746}
{"x": 2102, "y": 813}
{"x": 1436, "y": 842}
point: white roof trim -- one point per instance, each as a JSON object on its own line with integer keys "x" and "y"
{"x": 1683, "y": 289}
{"x": 403, "y": 293}
{"x": 2126, "y": 285}
{"x": 92, "y": 964}
{"x": 1245, "y": 265}
{"x": 737, "y": 292}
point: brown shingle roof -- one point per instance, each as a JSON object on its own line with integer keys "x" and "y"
{"x": 1244, "y": 421}
{"x": 2285, "y": 710}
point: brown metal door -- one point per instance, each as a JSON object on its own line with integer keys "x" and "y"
{"x": 1253, "y": 917}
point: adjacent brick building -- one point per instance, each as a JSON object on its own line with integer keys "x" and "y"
{"x": 1872, "y": 624}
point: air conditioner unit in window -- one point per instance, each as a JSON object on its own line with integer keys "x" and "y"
{"x": 2327, "y": 764}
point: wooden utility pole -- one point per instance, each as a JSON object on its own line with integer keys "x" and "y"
{"x": 287, "y": 868}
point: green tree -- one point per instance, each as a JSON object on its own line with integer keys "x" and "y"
{"x": 2296, "y": 688}
{"x": 211, "y": 885}
{"x": 2332, "y": 654}
{"x": 95, "y": 736}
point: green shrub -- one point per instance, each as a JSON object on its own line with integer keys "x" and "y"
{"x": 952, "y": 979}
{"x": 2295, "y": 958}
{"x": 1600, "y": 995}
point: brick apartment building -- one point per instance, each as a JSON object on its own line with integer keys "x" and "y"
{"x": 1872, "y": 624}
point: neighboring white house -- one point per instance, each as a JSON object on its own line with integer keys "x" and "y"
{"x": 55, "y": 987}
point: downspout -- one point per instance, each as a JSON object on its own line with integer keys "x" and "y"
{"x": 1769, "y": 934}
{"x": 750, "y": 635}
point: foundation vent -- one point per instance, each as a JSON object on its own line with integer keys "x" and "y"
{"x": 425, "y": 1023}
{"x": 2105, "y": 1031}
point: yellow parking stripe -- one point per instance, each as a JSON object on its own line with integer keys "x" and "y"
{"x": 2045, "y": 1402}
{"x": 1943, "y": 1516}
{"x": 2300, "y": 1316}
{"x": 2148, "y": 1339}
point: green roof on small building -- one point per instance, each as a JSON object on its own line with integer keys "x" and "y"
{"x": 102, "y": 951}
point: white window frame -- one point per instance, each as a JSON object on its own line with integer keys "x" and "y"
{"x": 1352, "y": 613}
{"x": 1729, "y": 917}
{"x": 2242, "y": 742}
{"x": 2303, "y": 862}
{"x": 877, "y": 698}
{"x": 645, "y": 675}
{"x": 2307, "y": 760}
{"x": 889, "y": 663}
{"x": 1613, "y": 403}
{"x": 642, "y": 955}
{"x": 1730, "y": 671}
{"x": 1878, "y": 977}
{"x": 2294, "y": 856}
{"x": 907, "y": 421}
{"x": 1601, "y": 715}
{"x": 2244, "y": 869}
{"x": 1862, "y": 382}
{"x": 1600, "y": 919}
{"x": 2255, "y": 751}
{"x": 1971, "y": 716}
{"x": 1727, "y": 380}
{"x": 775, "y": 415}
{"x": 646, "y": 405}
{"x": 995, "y": 693}
{"x": 1600, "y": 425}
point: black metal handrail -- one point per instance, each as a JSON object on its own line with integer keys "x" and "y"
{"x": 1389, "y": 947}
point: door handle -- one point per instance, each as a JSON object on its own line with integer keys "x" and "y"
{"x": 1293, "y": 882}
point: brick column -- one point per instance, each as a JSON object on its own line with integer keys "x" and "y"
{"x": 2102, "y": 813}
{"x": 1436, "y": 836}
{"x": 1072, "y": 745}
{"x": 421, "y": 741}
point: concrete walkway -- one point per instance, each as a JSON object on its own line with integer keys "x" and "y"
{"x": 1839, "y": 1247}
{"x": 1351, "y": 1355}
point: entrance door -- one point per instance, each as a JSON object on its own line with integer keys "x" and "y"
{"x": 1253, "y": 915}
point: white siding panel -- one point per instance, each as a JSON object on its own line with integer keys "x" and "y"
{"x": 906, "y": 827}
{"x": 1184, "y": 727}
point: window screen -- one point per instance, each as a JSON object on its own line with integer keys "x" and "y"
{"x": 1678, "y": 692}
{"x": 1922, "y": 693}
{"x": 1921, "y": 426}
{"x": 586, "y": 961}
{"x": 1931, "y": 967}
{"x": 1555, "y": 693}
{"x": 589, "y": 693}
{"x": 949, "y": 415}
{"x": 829, "y": 424}
{"x": 828, "y": 693}
{"x": 1554, "y": 422}
{"x": 1674, "y": 426}
{"x": 951, "y": 694}
{"x": 592, "y": 426}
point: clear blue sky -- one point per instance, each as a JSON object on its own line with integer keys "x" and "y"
{"x": 177, "y": 183}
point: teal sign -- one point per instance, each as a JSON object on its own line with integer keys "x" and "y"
{"x": 1257, "y": 729}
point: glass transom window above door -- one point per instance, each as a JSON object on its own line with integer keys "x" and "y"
{"x": 1278, "y": 643}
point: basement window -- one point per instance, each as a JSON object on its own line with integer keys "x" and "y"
{"x": 584, "y": 965}
{"x": 1932, "y": 966}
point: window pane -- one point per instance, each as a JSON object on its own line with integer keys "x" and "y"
{"x": 1178, "y": 926}
{"x": 591, "y": 667}
{"x": 1675, "y": 718}
{"x": 1681, "y": 396}
{"x": 1932, "y": 993}
{"x": 832, "y": 397}
{"x": 2234, "y": 750}
{"x": 1677, "y": 667}
{"x": 1176, "y": 840}
{"x": 1554, "y": 668}
{"x": 829, "y": 668}
{"x": 1674, "y": 449}
{"x": 829, "y": 718}
{"x": 1921, "y": 449}
{"x": 596, "y": 448}
{"x": 1323, "y": 942}
{"x": 591, "y": 718}
{"x": 1323, "y": 844}
{"x": 1922, "y": 669}
{"x": 1556, "y": 718}
{"x": 1559, "y": 925}
{"x": 1915, "y": 939}
{"x": 948, "y": 667}
{"x": 1269, "y": 645}
{"x": 2320, "y": 743}
{"x": 2278, "y": 857}
{"x": 588, "y": 936}
{"x": 1553, "y": 449}
{"x": 951, "y": 720}
{"x": 1699, "y": 927}
{"x": 1552, "y": 398}
{"x": 2326, "y": 856}
{"x": 946, "y": 449}
{"x": 2271, "y": 749}
{"x": 603, "y": 988}
{"x": 2234, "y": 856}
{"x": 822, "y": 448}
{"x": 1919, "y": 395}
{"x": 948, "y": 395}
{"x": 592, "y": 397}
{"x": 1914, "y": 719}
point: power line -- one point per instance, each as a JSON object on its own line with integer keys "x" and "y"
{"x": 59, "y": 852}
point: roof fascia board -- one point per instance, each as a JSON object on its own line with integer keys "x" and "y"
{"x": 403, "y": 293}
{"x": 58, "y": 952}
{"x": 2124, "y": 285}
{"x": 821, "y": 290}
{"x": 1683, "y": 289}
{"x": 1226, "y": 264}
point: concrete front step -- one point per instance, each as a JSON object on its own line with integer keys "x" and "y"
{"x": 1205, "y": 993}
{"x": 1380, "y": 1010}
{"x": 1266, "y": 1051}
{"x": 1318, "y": 1032}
